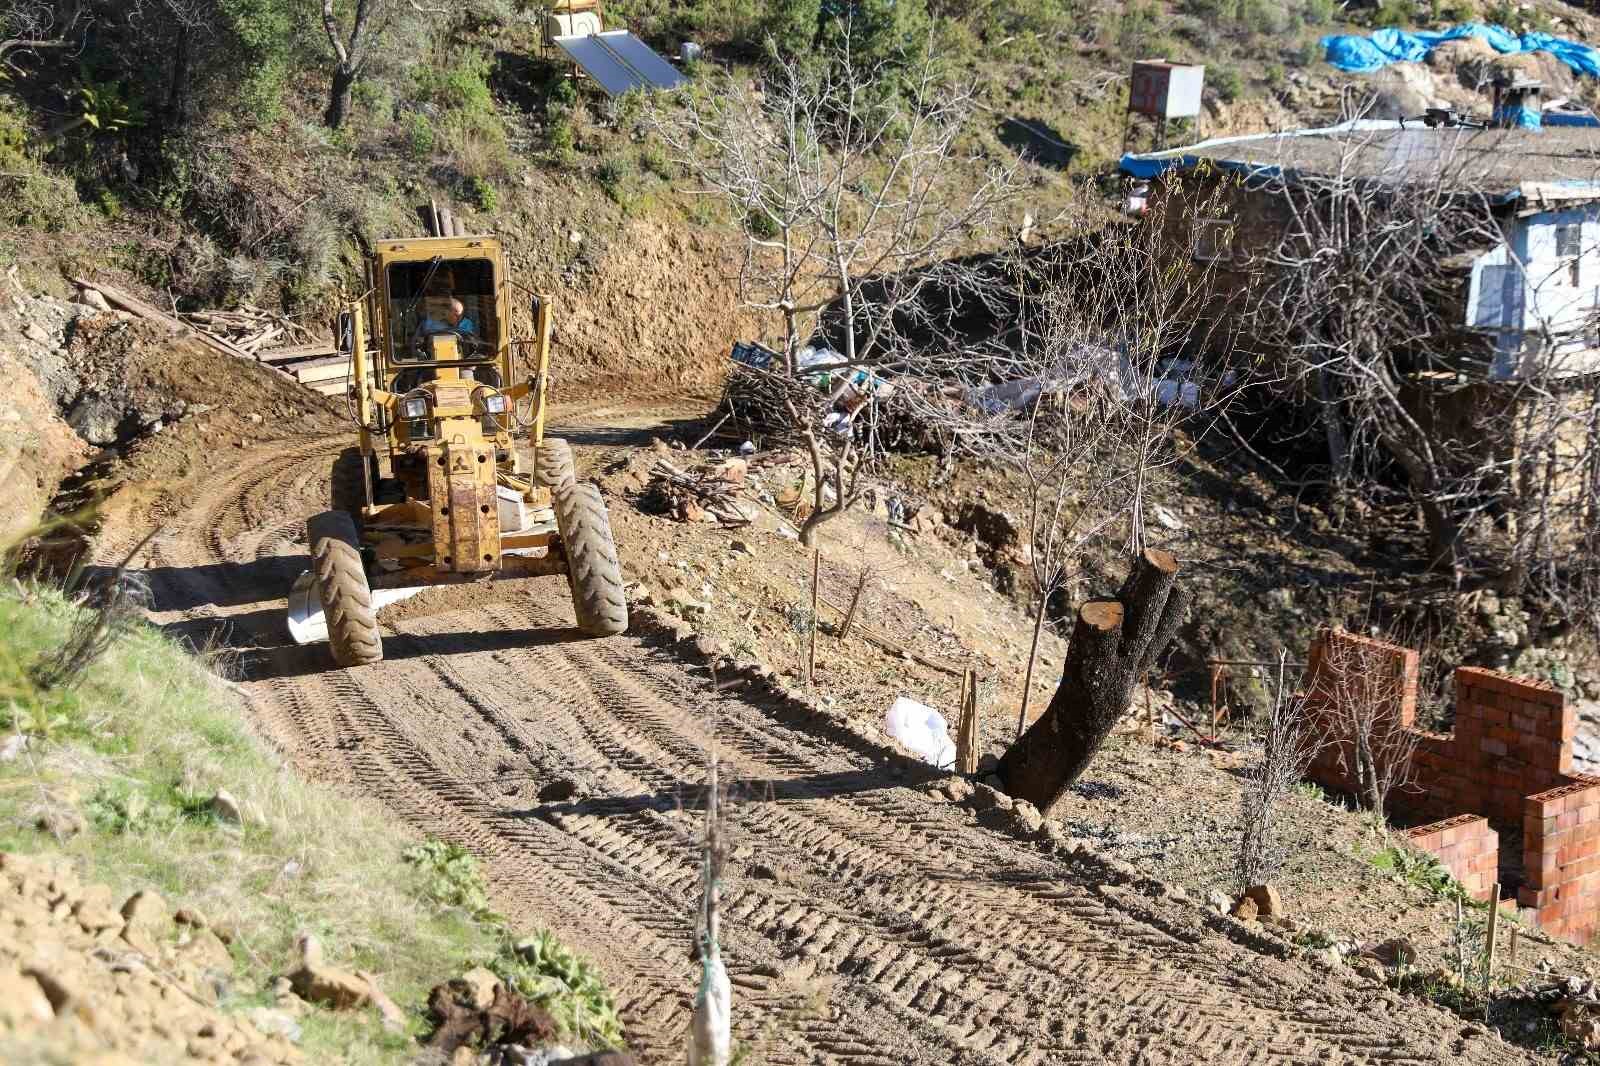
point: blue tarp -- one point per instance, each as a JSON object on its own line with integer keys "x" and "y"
{"x": 1522, "y": 118}
{"x": 1364, "y": 54}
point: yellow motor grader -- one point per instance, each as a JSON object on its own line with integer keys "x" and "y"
{"x": 434, "y": 492}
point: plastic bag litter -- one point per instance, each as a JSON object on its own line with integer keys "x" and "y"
{"x": 923, "y": 730}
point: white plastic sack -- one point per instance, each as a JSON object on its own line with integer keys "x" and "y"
{"x": 923, "y": 730}
{"x": 711, "y": 1026}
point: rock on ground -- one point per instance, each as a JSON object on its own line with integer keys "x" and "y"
{"x": 83, "y": 979}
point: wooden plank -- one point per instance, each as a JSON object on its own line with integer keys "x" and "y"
{"x": 296, "y": 352}
{"x": 328, "y": 388}
{"x": 325, "y": 370}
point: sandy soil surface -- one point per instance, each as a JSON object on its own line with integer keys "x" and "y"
{"x": 868, "y": 917}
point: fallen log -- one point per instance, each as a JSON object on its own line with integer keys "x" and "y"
{"x": 1114, "y": 643}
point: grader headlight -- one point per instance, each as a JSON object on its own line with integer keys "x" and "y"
{"x": 414, "y": 407}
{"x": 495, "y": 404}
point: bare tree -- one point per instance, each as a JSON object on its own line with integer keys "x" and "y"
{"x": 855, "y": 200}
{"x": 1361, "y": 301}
{"x": 1358, "y": 704}
{"x": 1288, "y": 746}
{"x": 352, "y": 49}
{"x": 1089, "y": 387}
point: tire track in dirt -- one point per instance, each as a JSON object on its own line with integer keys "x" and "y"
{"x": 896, "y": 931}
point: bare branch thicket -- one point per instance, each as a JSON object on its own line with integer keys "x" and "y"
{"x": 855, "y": 199}
{"x": 1288, "y": 747}
{"x": 1359, "y": 698}
{"x": 1103, "y": 370}
{"x": 29, "y": 26}
{"x": 1365, "y": 298}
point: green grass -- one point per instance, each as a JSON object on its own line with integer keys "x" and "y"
{"x": 140, "y": 746}
{"x": 1424, "y": 871}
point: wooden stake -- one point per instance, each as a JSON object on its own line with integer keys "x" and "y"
{"x": 816, "y": 577}
{"x": 961, "y": 723}
{"x": 1513, "y": 945}
{"x": 967, "y": 730}
{"x": 1488, "y": 966}
{"x": 1149, "y": 715}
{"x": 855, "y": 601}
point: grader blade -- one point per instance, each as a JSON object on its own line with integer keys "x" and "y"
{"x": 306, "y": 622}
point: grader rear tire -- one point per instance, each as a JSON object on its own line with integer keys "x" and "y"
{"x": 593, "y": 573}
{"x": 342, "y": 585}
{"x": 552, "y": 464}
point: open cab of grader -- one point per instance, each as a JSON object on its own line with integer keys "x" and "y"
{"x": 434, "y": 492}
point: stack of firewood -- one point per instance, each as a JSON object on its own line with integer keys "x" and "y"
{"x": 710, "y": 493}
{"x": 251, "y": 330}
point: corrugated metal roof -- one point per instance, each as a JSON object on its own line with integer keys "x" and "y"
{"x": 1562, "y": 163}
{"x": 619, "y": 61}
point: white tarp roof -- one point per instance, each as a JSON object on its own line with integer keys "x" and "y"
{"x": 619, "y": 61}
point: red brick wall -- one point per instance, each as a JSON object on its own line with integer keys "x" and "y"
{"x": 1467, "y": 847}
{"x": 1509, "y": 761}
{"x": 1516, "y": 733}
{"x": 1341, "y": 665}
{"x": 1561, "y": 858}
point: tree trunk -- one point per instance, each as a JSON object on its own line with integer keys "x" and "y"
{"x": 177, "y": 116}
{"x": 1114, "y": 643}
{"x": 344, "y": 80}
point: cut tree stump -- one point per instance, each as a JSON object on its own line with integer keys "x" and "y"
{"x": 1114, "y": 643}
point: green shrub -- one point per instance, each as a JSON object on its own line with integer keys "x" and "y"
{"x": 262, "y": 31}
{"x": 761, "y": 225}
{"x": 481, "y": 192}
{"x": 613, "y": 175}
{"x": 549, "y": 974}
{"x": 655, "y": 161}
{"x": 1305, "y": 54}
{"x": 1424, "y": 871}
{"x": 419, "y": 136}
{"x": 1318, "y": 12}
{"x": 462, "y": 85}
{"x": 562, "y": 93}
{"x": 1453, "y": 11}
{"x": 1393, "y": 13}
{"x": 563, "y": 141}
{"x": 1226, "y": 83}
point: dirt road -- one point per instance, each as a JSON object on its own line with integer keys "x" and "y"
{"x": 866, "y": 920}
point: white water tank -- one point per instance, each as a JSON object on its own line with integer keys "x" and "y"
{"x": 573, "y": 24}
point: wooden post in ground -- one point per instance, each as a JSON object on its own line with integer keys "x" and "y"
{"x": 968, "y": 735}
{"x": 1488, "y": 965}
{"x": 855, "y": 601}
{"x": 816, "y": 577}
{"x": 1461, "y": 957}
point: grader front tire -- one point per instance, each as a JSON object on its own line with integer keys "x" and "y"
{"x": 593, "y": 573}
{"x": 552, "y": 463}
{"x": 342, "y": 586}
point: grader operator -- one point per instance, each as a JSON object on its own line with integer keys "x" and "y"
{"x": 435, "y": 492}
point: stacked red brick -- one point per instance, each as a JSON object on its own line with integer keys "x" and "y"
{"x": 1561, "y": 841}
{"x": 1385, "y": 673}
{"x": 1509, "y": 762}
{"x": 1467, "y": 847}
